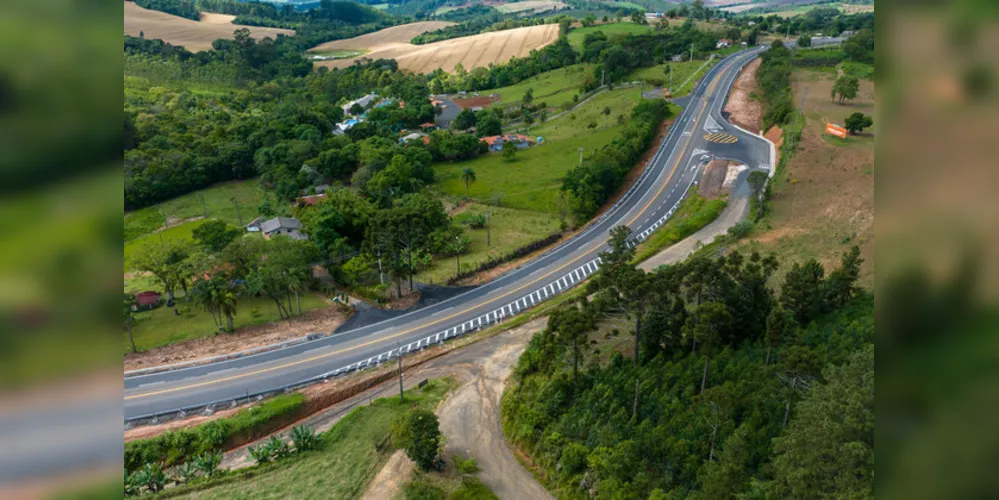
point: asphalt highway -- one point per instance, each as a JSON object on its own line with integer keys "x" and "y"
{"x": 699, "y": 134}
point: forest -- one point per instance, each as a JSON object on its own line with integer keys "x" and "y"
{"x": 729, "y": 389}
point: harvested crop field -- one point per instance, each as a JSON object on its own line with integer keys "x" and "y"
{"x": 192, "y": 35}
{"x": 472, "y": 51}
{"x": 531, "y": 5}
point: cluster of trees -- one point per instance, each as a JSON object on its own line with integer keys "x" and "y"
{"x": 178, "y": 141}
{"x": 595, "y": 180}
{"x": 774, "y": 78}
{"x": 183, "y": 8}
{"x": 618, "y": 55}
{"x": 221, "y": 266}
{"x": 826, "y": 20}
{"x": 490, "y": 20}
{"x": 557, "y": 55}
{"x": 724, "y": 387}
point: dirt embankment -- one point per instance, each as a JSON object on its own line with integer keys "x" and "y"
{"x": 318, "y": 321}
{"x": 742, "y": 109}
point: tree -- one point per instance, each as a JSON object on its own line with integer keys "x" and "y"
{"x": 509, "y": 151}
{"x": 857, "y": 122}
{"x": 752, "y": 37}
{"x": 606, "y": 112}
{"x": 757, "y": 180}
{"x": 129, "y": 318}
{"x": 572, "y": 325}
{"x": 804, "y": 41}
{"x": 728, "y": 476}
{"x": 799, "y": 366}
{"x": 356, "y": 109}
{"x": 780, "y": 325}
{"x": 802, "y": 291}
{"x": 488, "y": 124}
{"x": 166, "y": 261}
{"x": 638, "y": 17}
{"x": 215, "y": 235}
{"x": 711, "y": 318}
{"x": 827, "y": 451}
{"x": 841, "y": 283}
{"x": 528, "y": 98}
{"x": 468, "y": 177}
{"x": 265, "y": 208}
{"x": 418, "y": 432}
{"x": 846, "y": 87}
{"x": 465, "y": 120}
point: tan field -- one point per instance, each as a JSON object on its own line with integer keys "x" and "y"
{"x": 472, "y": 51}
{"x": 192, "y": 35}
{"x": 532, "y": 5}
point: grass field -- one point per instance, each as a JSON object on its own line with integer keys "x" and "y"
{"x": 681, "y": 72}
{"x": 823, "y": 201}
{"x": 552, "y": 87}
{"x": 218, "y": 203}
{"x": 344, "y": 466}
{"x": 510, "y": 229}
{"x": 192, "y": 35}
{"x": 160, "y": 326}
{"x": 695, "y": 212}
{"x": 532, "y": 182}
{"x": 471, "y": 51}
{"x": 577, "y": 35}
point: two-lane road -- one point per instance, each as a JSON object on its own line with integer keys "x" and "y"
{"x": 699, "y": 134}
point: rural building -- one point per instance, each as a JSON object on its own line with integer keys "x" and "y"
{"x": 847, "y": 34}
{"x": 146, "y": 300}
{"x": 495, "y": 142}
{"x": 309, "y": 200}
{"x": 411, "y": 137}
{"x": 363, "y": 102}
{"x": 653, "y": 15}
{"x": 724, "y": 42}
{"x": 254, "y": 225}
{"x": 286, "y": 226}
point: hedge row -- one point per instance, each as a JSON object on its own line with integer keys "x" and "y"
{"x": 175, "y": 447}
{"x": 516, "y": 254}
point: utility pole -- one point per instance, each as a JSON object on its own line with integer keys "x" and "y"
{"x": 204, "y": 205}
{"x": 580, "y": 156}
{"x": 402, "y": 397}
{"x": 691, "y": 52}
{"x": 238, "y": 214}
{"x": 164, "y": 224}
{"x": 603, "y": 77}
{"x": 488, "y": 231}
{"x": 457, "y": 258}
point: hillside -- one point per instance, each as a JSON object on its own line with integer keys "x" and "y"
{"x": 192, "y": 35}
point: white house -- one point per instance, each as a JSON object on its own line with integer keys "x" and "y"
{"x": 287, "y": 226}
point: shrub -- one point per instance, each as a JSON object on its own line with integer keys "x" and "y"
{"x": 516, "y": 254}
{"x": 185, "y": 473}
{"x": 740, "y": 229}
{"x": 469, "y": 466}
{"x": 208, "y": 463}
{"x": 260, "y": 454}
{"x": 305, "y": 438}
{"x": 420, "y": 490}
{"x": 277, "y": 448}
{"x": 419, "y": 434}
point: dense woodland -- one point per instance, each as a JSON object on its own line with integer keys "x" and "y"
{"x": 731, "y": 390}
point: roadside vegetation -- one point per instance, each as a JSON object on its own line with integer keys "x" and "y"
{"x": 724, "y": 379}
{"x": 338, "y": 464}
{"x": 694, "y": 213}
{"x": 174, "y": 448}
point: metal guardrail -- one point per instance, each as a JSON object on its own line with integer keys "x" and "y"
{"x": 495, "y": 316}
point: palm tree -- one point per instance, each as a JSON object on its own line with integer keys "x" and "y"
{"x": 227, "y": 305}
{"x": 468, "y": 177}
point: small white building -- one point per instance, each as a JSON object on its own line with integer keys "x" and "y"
{"x": 282, "y": 226}
{"x": 724, "y": 42}
{"x": 415, "y": 136}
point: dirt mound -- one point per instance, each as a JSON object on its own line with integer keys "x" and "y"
{"x": 471, "y": 102}
{"x": 742, "y": 109}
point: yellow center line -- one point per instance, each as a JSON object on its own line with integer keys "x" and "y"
{"x": 404, "y": 332}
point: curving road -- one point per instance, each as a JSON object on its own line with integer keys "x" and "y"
{"x": 698, "y": 135}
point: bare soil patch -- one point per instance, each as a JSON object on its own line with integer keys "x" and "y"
{"x": 713, "y": 178}
{"x": 393, "y": 43}
{"x": 321, "y": 321}
{"x": 192, "y": 35}
{"x": 471, "y": 102}
{"x": 390, "y": 480}
{"x": 743, "y": 110}
{"x": 823, "y": 202}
